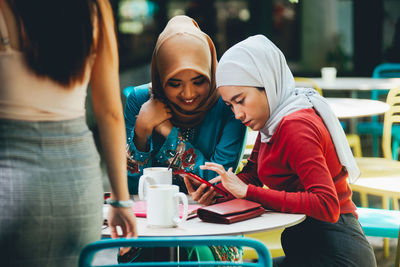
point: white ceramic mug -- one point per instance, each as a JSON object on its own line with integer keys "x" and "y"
{"x": 151, "y": 176}
{"x": 328, "y": 74}
{"x": 163, "y": 206}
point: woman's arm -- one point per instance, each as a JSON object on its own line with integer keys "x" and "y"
{"x": 108, "y": 112}
{"x": 303, "y": 149}
{"x": 226, "y": 151}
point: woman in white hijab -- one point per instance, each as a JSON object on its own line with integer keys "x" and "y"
{"x": 301, "y": 155}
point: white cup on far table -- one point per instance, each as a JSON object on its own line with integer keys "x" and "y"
{"x": 151, "y": 176}
{"x": 163, "y": 206}
{"x": 328, "y": 74}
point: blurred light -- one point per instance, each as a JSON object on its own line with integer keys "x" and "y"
{"x": 178, "y": 12}
{"x": 244, "y": 14}
{"x": 134, "y": 15}
{"x": 133, "y": 27}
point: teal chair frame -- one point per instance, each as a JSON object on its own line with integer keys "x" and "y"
{"x": 374, "y": 127}
{"x": 264, "y": 257}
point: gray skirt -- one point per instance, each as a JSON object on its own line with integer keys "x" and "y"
{"x": 50, "y": 192}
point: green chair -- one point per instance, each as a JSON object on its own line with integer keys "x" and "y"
{"x": 380, "y": 223}
{"x": 264, "y": 258}
{"x": 375, "y": 127}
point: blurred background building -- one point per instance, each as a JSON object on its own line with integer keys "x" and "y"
{"x": 352, "y": 35}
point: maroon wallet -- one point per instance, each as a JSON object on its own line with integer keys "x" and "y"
{"x": 231, "y": 211}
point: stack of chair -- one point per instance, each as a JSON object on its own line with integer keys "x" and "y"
{"x": 386, "y": 166}
{"x": 381, "y": 167}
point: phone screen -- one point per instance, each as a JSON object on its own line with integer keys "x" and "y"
{"x": 198, "y": 178}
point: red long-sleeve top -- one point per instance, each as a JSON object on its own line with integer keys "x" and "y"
{"x": 301, "y": 169}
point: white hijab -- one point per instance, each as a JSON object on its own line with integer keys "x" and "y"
{"x": 257, "y": 62}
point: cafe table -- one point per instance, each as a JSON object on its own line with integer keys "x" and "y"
{"x": 195, "y": 227}
{"x": 346, "y": 108}
{"x": 356, "y": 83}
{"x": 386, "y": 187}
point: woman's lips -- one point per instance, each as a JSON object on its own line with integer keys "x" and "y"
{"x": 189, "y": 101}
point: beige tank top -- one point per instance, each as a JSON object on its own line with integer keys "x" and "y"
{"x": 25, "y": 96}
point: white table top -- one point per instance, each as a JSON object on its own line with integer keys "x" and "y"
{"x": 356, "y": 83}
{"x": 195, "y": 227}
{"x": 345, "y": 108}
{"x": 387, "y": 184}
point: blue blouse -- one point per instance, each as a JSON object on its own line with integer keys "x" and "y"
{"x": 219, "y": 138}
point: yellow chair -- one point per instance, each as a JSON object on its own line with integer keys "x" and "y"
{"x": 352, "y": 139}
{"x": 392, "y": 116}
{"x": 382, "y": 167}
{"x": 372, "y": 167}
{"x": 271, "y": 239}
{"x": 302, "y": 81}
{"x": 355, "y": 144}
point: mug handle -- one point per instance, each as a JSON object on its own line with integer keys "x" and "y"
{"x": 184, "y": 200}
{"x": 142, "y": 182}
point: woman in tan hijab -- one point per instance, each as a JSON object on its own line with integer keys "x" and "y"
{"x": 181, "y": 112}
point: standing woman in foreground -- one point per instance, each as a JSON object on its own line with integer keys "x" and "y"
{"x": 301, "y": 155}
{"x": 51, "y": 191}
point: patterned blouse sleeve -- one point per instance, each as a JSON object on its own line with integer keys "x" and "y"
{"x": 227, "y": 151}
{"x": 137, "y": 160}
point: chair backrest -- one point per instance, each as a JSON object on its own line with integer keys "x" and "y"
{"x": 384, "y": 70}
{"x": 264, "y": 258}
{"x": 308, "y": 82}
{"x": 392, "y": 116}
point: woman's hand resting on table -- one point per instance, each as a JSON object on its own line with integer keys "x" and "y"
{"x": 126, "y": 219}
{"x": 123, "y": 217}
{"x": 200, "y": 192}
{"x": 229, "y": 180}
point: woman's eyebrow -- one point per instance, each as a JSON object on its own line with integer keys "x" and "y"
{"x": 197, "y": 77}
{"x": 235, "y": 96}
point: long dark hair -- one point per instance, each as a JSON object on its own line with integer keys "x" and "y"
{"x": 57, "y": 36}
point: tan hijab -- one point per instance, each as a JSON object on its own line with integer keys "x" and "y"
{"x": 182, "y": 45}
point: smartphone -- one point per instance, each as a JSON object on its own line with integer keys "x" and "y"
{"x": 198, "y": 178}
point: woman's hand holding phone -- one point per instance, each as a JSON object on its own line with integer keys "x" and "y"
{"x": 229, "y": 180}
{"x": 200, "y": 192}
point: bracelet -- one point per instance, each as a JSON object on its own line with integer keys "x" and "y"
{"x": 120, "y": 203}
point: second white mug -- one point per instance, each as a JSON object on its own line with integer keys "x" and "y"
{"x": 151, "y": 176}
{"x": 163, "y": 206}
